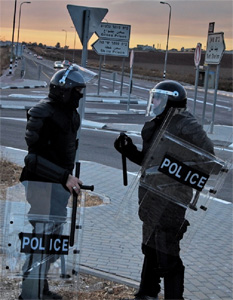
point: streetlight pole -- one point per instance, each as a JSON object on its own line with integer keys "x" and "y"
{"x": 65, "y": 43}
{"x": 16, "y": 60}
{"x": 74, "y": 41}
{"x": 12, "y": 42}
{"x": 165, "y": 62}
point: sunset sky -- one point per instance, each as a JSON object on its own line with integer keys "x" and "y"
{"x": 43, "y": 21}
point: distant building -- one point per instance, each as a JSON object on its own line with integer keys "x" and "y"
{"x": 187, "y": 49}
{"x": 145, "y": 48}
{"x": 5, "y": 43}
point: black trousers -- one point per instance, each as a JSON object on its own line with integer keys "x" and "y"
{"x": 159, "y": 265}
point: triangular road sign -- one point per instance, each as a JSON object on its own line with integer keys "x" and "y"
{"x": 77, "y": 15}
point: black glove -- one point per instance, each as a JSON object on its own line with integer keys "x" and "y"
{"x": 125, "y": 146}
{"x": 123, "y": 143}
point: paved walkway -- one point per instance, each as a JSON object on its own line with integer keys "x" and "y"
{"x": 111, "y": 246}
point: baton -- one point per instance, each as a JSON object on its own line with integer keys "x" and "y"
{"x": 75, "y": 203}
{"x": 124, "y": 166}
{"x": 74, "y": 208}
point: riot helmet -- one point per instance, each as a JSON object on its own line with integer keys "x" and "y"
{"x": 66, "y": 86}
{"x": 164, "y": 95}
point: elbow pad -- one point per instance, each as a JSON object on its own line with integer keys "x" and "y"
{"x": 44, "y": 168}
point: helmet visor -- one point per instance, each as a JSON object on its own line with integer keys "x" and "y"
{"x": 158, "y": 101}
{"x": 88, "y": 76}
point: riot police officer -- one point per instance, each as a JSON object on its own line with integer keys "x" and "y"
{"x": 51, "y": 134}
{"x": 164, "y": 222}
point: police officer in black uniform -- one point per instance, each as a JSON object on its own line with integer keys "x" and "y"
{"x": 51, "y": 134}
{"x": 161, "y": 223}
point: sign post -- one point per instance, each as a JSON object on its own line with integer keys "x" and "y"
{"x": 85, "y": 20}
{"x": 213, "y": 56}
{"x": 197, "y": 59}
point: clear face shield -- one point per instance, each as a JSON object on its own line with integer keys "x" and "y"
{"x": 88, "y": 76}
{"x": 158, "y": 101}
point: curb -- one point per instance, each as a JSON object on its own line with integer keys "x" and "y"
{"x": 132, "y": 111}
{"x": 93, "y": 124}
{"x": 211, "y": 91}
{"x": 44, "y": 84}
{"x": 109, "y": 276}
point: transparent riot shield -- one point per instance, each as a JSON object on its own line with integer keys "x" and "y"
{"x": 173, "y": 188}
{"x": 36, "y": 240}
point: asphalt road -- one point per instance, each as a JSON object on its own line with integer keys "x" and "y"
{"x": 43, "y": 70}
{"x": 97, "y": 145}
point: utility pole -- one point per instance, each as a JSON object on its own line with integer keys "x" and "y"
{"x": 17, "y": 45}
{"x": 12, "y": 42}
{"x": 169, "y": 21}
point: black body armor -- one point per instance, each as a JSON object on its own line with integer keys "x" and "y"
{"x": 51, "y": 139}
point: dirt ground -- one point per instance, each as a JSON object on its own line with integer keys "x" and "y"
{"x": 90, "y": 287}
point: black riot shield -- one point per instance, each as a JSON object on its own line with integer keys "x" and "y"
{"x": 174, "y": 186}
{"x": 36, "y": 239}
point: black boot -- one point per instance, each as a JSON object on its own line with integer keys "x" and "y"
{"x": 150, "y": 279}
{"x": 174, "y": 284}
{"x": 140, "y": 296}
{"x": 47, "y": 294}
{"x": 51, "y": 295}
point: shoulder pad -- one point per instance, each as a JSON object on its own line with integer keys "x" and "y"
{"x": 43, "y": 109}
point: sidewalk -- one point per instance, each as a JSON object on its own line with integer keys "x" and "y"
{"x": 113, "y": 251}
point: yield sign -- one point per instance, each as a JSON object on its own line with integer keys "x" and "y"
{"x": 77, "y": 14}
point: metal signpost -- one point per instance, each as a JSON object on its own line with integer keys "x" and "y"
{"x": 197, "y": 59}
{"x": 113, "y": 40}
{"x": 213, "y": 56}
{"x": 85, "y": 20}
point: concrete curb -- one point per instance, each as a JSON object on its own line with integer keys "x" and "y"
{"x": 92, "y": 124}
{"x": 109, "y": 276}
{"x": 211, "y": 91}
{"x": 26, "y": 86}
